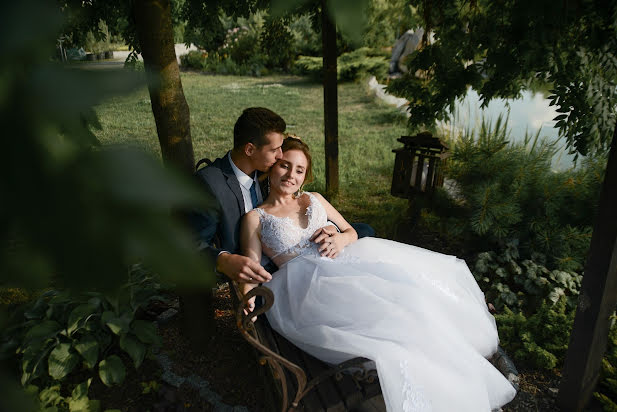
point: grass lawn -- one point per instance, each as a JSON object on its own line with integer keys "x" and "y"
{"x": 368, "y": 130}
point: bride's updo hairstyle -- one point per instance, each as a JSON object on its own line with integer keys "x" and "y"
{"x": 293, "y": 142}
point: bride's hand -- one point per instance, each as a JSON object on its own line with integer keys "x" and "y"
{"x": 332, "y": 245}
{"x": 323, "y": 233}
{"x": 249, "y": 307}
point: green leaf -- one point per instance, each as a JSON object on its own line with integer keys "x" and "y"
{"x": 50, "y": 396}
{"x": 61, "y": 361}
{"x": 36, "y": 311}
{"x": 117, "y": 325}
{"x": 32, "y": 363}
{"x": 78, "y": 314}
{"x": 145, "y": 331}
{"x": 135, "y": 349}
{"x": 84, "y": 405}
{"x": 79, "y": 401}
{"x": 88, "y": 348}
{"x": 81, "y": 390}
{"x": 112, "y": 371}
{"x": 42, "y": 331}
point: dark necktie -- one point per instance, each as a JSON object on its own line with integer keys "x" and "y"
{"x": 254, "y": 194}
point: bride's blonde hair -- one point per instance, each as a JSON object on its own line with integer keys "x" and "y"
{"x": 293, "y": 142}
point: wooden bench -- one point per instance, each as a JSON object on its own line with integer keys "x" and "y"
{"x": 303, "y": 383}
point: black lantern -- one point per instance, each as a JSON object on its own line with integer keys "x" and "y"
{"x": 418, "y": 166}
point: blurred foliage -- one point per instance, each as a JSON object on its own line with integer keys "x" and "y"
{"x": 541, "y": 339}
{"x": 75, "y": 215}
{"x": 132, "y": 63}
{"x": 205, "y": 20}
{"x": 277, "y": 44}
{"x": 509, "y": 191}
{"x": 351, "y": 66}
{"x": 387, "y": 20}
{"x": 255, "y": 36}
{"x": 62, "y": 336}
{"x": 497, "y": 48}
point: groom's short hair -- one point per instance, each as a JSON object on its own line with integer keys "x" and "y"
{"x": 254, "y": 124}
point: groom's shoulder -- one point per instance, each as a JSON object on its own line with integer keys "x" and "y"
{"x": 213, "y": 170}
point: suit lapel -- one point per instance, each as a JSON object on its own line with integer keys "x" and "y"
{"x": 232, "y": 182}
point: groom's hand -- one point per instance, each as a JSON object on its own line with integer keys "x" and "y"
{"x": 241, "y": 268}
{"x": 323, "y": 233}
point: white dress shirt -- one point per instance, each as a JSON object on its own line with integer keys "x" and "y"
{"x": 246, "y": 182}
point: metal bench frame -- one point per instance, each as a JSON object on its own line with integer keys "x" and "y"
{"x": 366, "y": 379}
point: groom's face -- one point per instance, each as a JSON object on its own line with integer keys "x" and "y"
{"x": 264, "y": 157}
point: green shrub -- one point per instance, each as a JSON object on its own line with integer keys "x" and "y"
{"x": 351, "y": 66}
{"x": 194, "y": 59}
{"x": 306, "y": 40}
{"x": 276, "y": 44}
{"x": 522, "y": 284}
{"x": 510, "y": 191}
{"x": 540, "y": 340}
{"x": 87, "y": 334}
{"x": 133, "y": 63}
{"x": 216, "y": 64}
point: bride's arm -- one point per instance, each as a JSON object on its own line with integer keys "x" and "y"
{"x": 250, "y": 246}
{"x": 331, "y": 244}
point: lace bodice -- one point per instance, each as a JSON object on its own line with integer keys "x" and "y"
{"x": 282, "y": 239}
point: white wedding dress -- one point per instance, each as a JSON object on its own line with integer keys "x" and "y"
{"x": 418, "y": 314}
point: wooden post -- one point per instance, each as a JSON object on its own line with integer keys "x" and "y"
{"x": 328, "y": 36}
{"x": 597, "y": 299}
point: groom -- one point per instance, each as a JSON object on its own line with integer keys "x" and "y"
{"x": 232, "y": 181}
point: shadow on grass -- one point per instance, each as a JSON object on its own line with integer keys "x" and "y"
{"x": 387, "y": 116}
{"x": 294, "y": 81}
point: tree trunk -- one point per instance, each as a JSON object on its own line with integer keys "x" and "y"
{"x": 596, "y": 301}
{"x": 171, "y": 112}
{"x": 328, "y": 35}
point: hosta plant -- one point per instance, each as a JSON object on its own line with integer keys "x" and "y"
{"x": 523, "y": 284}
{"x": 63, "y": 333}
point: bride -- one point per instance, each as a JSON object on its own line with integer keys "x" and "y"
{"x": 419, "y": 315}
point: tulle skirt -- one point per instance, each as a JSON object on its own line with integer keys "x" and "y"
{"x": 418, "y": 314}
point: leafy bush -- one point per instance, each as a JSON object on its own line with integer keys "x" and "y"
{"x": 240, "y": 45}
{"x": 541, "y": 340}
{"x": 277, "y": 45}
{"x": 350, "y": 66}
{"x": 194, "y": 59}
{"x": 522, "y": 285}
{"x": 509, "y": 191}
{"x": 132, "y": 63}
{"x": 306, "y": 39}
{"x": 61, "y": 334}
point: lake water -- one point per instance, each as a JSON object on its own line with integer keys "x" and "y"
{"x": 528, "y": 114}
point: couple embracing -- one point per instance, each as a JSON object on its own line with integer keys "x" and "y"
{"x": 419, "y": 315}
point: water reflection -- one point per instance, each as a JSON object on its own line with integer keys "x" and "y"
{"x": 528, "y": 114}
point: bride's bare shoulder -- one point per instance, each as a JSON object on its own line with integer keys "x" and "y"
{"x": 319, "y": 197}
{"x": 251, "y": 218}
